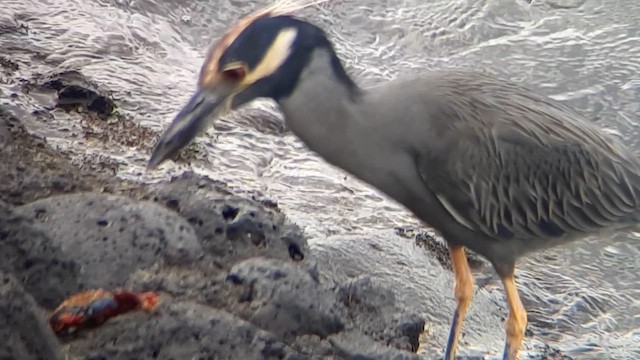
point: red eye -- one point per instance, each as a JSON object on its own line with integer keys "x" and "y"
{"x": 234, "y": 74}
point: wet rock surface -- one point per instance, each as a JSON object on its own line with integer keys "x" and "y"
{"x": 286, "y": 300}
{"x": 230, "y": 228}
{"x": 439, "y": 248}
{"x": 31, "y": 169}
{"x": 184, "y": 330}
{"x": 28, "y": 252}
{"x": 112, "y": 236}
{"x": 73, "y": 91}
{"x": 236, "y": 279}
{"x": 375, "y": 309}
{"x": 24, "y": 331}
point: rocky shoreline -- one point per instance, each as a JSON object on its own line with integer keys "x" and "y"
{"x": 236, "y": 278}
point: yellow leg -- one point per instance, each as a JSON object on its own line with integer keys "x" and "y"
{"x": 464, "y": 294}
{"x": 516, "y": 323}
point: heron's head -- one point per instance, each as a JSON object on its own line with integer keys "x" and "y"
{"x": 261, "y": 56}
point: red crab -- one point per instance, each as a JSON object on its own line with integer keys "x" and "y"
{"x": 94, "y": 307}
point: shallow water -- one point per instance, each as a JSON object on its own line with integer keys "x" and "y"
{"x": 584, "y": 299}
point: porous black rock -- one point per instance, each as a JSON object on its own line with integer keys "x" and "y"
{"x": 24, "y": 330}
{"x": 27, "y": 252}
{"x": 113, "y": 236}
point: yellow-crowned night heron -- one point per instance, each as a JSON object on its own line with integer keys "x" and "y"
{"x": 490, "y": 165}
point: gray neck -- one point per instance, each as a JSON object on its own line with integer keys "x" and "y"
{"x": 350, "y": 132}
{"x": 321, "y": 111}
{"x": 365, "y": 135}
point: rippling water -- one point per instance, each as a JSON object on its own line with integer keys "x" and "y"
{"x": 584, "y": 299}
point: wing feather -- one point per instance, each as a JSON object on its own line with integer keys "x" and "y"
{"x": 511, "y": 163}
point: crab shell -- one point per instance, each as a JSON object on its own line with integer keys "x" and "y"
{"x": 94, "y": 307}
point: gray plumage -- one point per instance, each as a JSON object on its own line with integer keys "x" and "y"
{"x": 518, "y": 171}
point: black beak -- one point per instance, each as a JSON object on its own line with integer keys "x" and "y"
{"x": 190, "y": 121}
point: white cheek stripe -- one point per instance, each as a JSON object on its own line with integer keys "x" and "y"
{"x": 274, "y": 57}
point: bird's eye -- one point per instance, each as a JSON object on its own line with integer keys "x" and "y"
{"x": 235, "y": 73}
